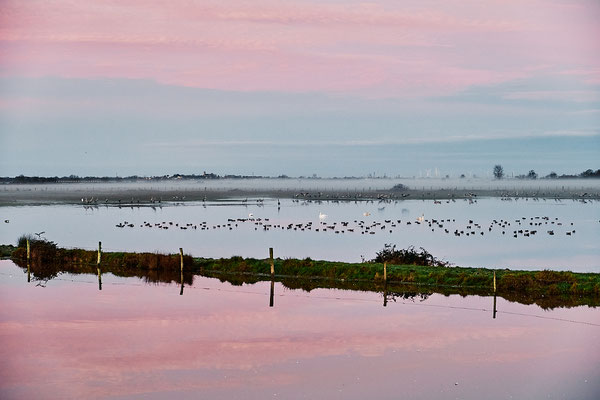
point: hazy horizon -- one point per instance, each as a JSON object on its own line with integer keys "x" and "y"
{"x": 563, "y": 156}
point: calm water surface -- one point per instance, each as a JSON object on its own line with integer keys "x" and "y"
{"x": 66, "y": 339}
{"x": 79, "y": 226}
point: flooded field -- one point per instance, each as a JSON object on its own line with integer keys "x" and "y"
{"x": 142, "y": 337}
{"x": 219, "y": 341}
{"x": 486, "y": 232}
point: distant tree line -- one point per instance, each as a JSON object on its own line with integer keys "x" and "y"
{"x": 137, "y": 178}
{"x": 498, "y": 172}
{"x": 89, "y": 179}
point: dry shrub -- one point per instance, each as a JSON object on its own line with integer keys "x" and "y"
{"x": 548, "y": 277}
{"x": 516, "y": 282}
{"x": 409, "y": 256}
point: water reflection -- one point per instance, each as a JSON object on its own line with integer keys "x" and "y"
{"x": 494, "y": 316}
{"x": 42, "y": 272}
{"x": 385, "y": 295}
{"x": 132, "y": 340}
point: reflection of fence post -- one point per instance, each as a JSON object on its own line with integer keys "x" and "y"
{"x": 181, "y": 261}
{"x": 272, "y": 293}
{"x": 28, "y": 272}
{"x": 98, "y": 265}
{"x": 385, "y": 294}
{"x": 271, "y": 260}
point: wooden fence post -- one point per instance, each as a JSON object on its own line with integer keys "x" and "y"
{"x": 28, "y": 251}
{"x": 99, "y": 252}
{"x": 181, "y": 258}
{"x": 271, "y": 260}
{"x": 494, "y": 281}
{"x": 385, "y": 271}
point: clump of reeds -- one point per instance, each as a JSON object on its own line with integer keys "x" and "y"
{"x": 408, "y": 256}
{"x": 42, "y": 250}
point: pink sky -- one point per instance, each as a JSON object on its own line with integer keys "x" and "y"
{"x": 328, "y": 71}
{"x": 375, "y": 49}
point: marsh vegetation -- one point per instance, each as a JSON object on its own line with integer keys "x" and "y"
{"x": 410, "y": 272}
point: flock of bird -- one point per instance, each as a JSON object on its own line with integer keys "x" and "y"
{"x": 524, "y": 227}
{"x": 363, "y": 197}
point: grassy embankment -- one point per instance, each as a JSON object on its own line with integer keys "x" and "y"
{"x": 546, "y": 288}
{"x": 6, "y": 250}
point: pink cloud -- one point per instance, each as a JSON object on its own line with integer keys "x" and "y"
{"x": 376, "y": 49}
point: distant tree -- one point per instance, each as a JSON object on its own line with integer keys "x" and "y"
{"x": 532, "y": 175}
{"x": 587, "y": 172}
{"x": 498, "y": 171}
{"x": 462, "y": 176}
{"x": 552, "y": 175}
{"x": 590, "y": 174}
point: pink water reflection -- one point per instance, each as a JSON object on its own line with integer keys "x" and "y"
{"x": 69, "y": 340}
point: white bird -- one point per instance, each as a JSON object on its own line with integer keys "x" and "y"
{"x": 421, "y": 218}
{"x": 366, "y": 214}
{"x": 322, "y": 216}
{"x": 250, "y": 215}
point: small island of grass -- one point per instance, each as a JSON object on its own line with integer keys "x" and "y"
{"x": 395, "y": 271}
